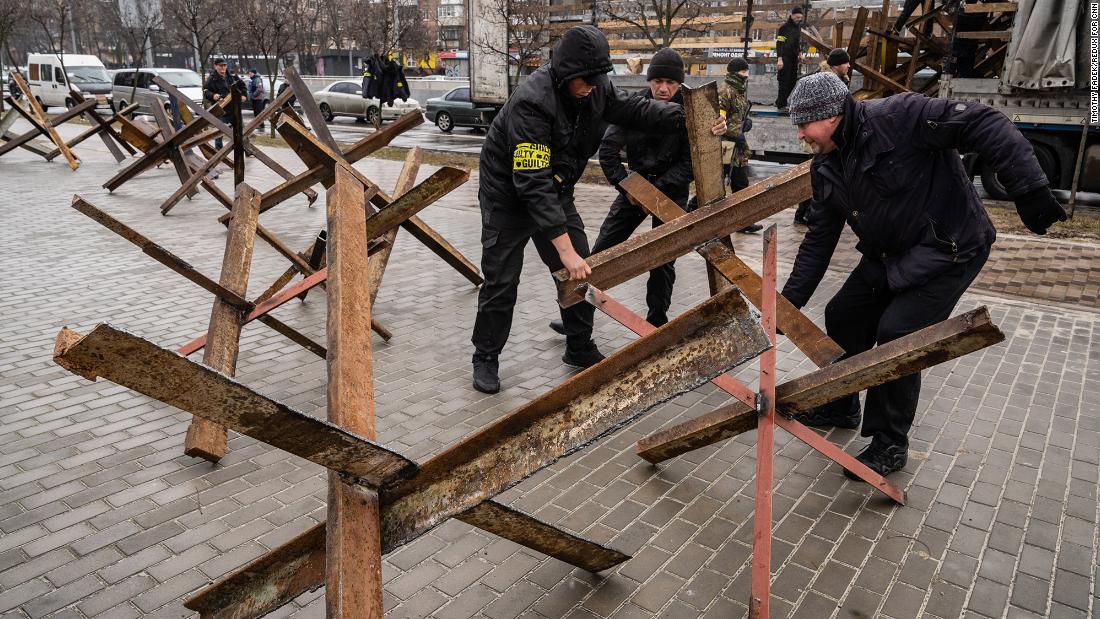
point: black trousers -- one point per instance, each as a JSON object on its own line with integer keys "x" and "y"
{"x": 865, "y": 312}
{"x": 787, "y": 76}
{"x": 622, "y": 220}
{"x": 739, "y": 177}
{"x": 257, "y": 106}
{"x": 503, "y": 240}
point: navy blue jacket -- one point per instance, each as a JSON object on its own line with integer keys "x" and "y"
{"x": 897, "y": 179}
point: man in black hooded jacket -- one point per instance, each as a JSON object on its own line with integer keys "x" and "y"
{"x": 788, "y": 48}
{"x": 890, "y": 169}
{"x": 534, "y": 154}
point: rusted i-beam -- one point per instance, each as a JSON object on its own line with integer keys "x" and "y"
{"x": 141, "y": 365}
{"x": 206, "y": 439}
{"x": 706, "y": 341}
{"x": 353, "y": 572}
{"x": 810, "y": 339}
{"x": 669, "y": 241}
{"x": 930, "y": 346}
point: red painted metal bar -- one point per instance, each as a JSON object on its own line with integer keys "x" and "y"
{"x": 765, "y": 445}
{"x": 261, "y": 309}
{"x": 627, "y": 318}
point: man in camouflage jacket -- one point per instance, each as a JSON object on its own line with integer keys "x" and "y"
{"x": 733, "y": 103}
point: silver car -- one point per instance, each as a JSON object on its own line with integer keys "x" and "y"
{"x": 147, "y": 93}
{"x": 345, "y": 98}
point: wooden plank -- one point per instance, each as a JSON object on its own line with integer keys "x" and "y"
{"x": 528, "y": 531}
{"x": 879, "y": 76}
{"x": 933, "y": 345}
{"x": 405, "y": 181}
{"x": 154, "y": 155}
{"x": 141, "y": 365}
{"x": 206, "y": 439}
{"x": 41, "y": 128}
{"x": 642, "y": 252}
{"x": 175, "y": 156}
{"x": 795, "y": 325}
{"x": 856, "y": 42}
{"x": 353, "y": 573}
{"x": 50, "y": 130}
{"x": 1002, "y": 35}
{"x": 991, "y": 7}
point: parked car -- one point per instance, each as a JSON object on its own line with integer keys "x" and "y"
{"x": 455, "y": 109}
{"x": 345, "y": 98}
{"x": 147, "y": 93}
{"x": 83, "y": 72}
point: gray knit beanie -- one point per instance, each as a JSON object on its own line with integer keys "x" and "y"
{"x": 817, "y": 96}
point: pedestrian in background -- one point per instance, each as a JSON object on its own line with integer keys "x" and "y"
{"x": 256, "y": 93}
{"x": 788, "y": 47}
{"x": 219, "y": 84}
{"x": 733, "y": 105}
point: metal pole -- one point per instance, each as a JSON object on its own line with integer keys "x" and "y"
{"x": 765, "y": 445}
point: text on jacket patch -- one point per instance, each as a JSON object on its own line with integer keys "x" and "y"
{"x": 530, "y": 156}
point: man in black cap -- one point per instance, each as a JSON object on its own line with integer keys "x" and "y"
{"x": 839, "y": 62}
{"x": 788, "y": 47}
{"x": 890, "y": 169}
{"x": 219, "y": 84}
{"x": 534, "y": 153}
{"x": 664, "y": 160}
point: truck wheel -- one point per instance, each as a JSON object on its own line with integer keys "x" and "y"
{"x": 1047, "y": 161}
{"x": 326, "y": 112}
{"x": 121, "y": 105}
{"x": 444, "y": 122}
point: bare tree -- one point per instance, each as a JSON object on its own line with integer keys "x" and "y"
{"x": 383, "y": 26}
{"x": 198, "y": 25}
{"x": 11, "y": 13}
{"x": 661, "y": 22}
{"x": 529, "y": 31}
{"x": 269, "y": 31}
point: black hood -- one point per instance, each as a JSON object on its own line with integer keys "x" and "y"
{"x": 581, "y": 52}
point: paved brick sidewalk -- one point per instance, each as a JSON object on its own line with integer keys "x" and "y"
{"x": 101, "y": 515}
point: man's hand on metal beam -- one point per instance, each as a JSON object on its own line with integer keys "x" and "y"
{"x": 570, "y": 259}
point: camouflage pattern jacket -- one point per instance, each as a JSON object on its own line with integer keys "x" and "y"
{"x": 733, "y": 103}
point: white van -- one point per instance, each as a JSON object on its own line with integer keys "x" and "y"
{"x": 85, "y": 73}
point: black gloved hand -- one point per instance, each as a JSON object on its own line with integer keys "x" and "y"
{"x": 1038, "y": 209}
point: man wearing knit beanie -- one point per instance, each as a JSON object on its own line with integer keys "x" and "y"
{"x": 839, "y": 62}
{"x": 664, "y": 160}
{"x": 890, "y": 168}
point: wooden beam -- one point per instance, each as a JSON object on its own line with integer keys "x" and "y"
{"x": 930, "y": 346}
{"x": 36, "y": 108}
{"x": 206, "y": 439}
{"x": 669, "y": 241}
{"x": 701, "y": 112}
{"x": 309, "y": 108}
{"x": 801, "y": 330}
{"x": 991, "y": 7}
{"x": 353, "y": 572}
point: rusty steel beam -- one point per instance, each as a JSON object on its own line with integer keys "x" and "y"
{"x": 930, "y": 346}
{"x": 293, "y": 335}
{"x": 511, "y": 524}
{"x": 355, "y": 152}
{"x": 705, "y": 341}
{"x": 206, "y": 439}
{"x": 405, "y": 181}
{"x": 439, "y": 184}
{"x": 313, "y": 152}
{"x": 795, "y": 325}
{"x": 765, "y": 447}
{"x": 353, "y": 548}
{"x": 160, "y": 254}
{"x": 264, "y": 307}
{"x": 669, "y": 241}
{"x": 700, "y": 114}
{"x": 309, "y": 107}
{"x": 175, "y": 155}
{"x": 142, "y": 366}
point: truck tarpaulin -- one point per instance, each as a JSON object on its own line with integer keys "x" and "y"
{"x": 1044, "y": 50}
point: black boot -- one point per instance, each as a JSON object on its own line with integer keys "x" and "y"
{"x": 753, "y": 229}
{"x": 584, "y": 357}
{"x": 882, "y": 458}
{"x": 657, "y": 319}
{"x": 485, "y": 374}
{"x": 557, "y": 326}
{"x": 839, "y": 414}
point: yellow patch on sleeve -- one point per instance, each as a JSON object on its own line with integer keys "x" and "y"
{"x": 528, "y": 156}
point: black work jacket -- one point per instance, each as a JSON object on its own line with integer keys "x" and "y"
{"x": 897, "y": 179}
{"x": 788, "y": 40}
{"x": 540, "y": 141}
{"x": 665, "y": 160}
{"x": 218, "y": 85}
